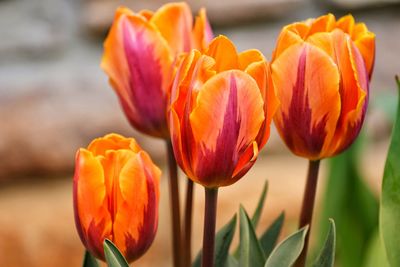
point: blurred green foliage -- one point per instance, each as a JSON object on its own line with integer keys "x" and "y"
{"x": 350, "y": 202}
{"x": 390, "y": 200}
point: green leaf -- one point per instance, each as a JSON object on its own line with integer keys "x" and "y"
{"x": 326, "y": 257}
{"x": 257, "y": 213}
{"x": 287, "y": 252}
{"x": 89, "y": 260}
{"x": 223, "y": 240}
{"x": 251, "y": 253}
{"x": 270, "y": 236}
{"x": 232, "y": 262}
{"x": 390, "y": 200}
{"x": 114, "y": 257}
{"x": 350, "y": 202}
{"x": 376, "y": 255}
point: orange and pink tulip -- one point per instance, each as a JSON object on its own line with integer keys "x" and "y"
{"x": 140, "y": 54}
{"x": 222, "y": 105}
{"x": 321, "y": 70}
{"x": 116, "y": 193}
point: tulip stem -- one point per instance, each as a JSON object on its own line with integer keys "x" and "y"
{"x": 308, "y": 207}
{"x": 174, "y": 200}
{"x": 188, "y": 224}
{"x": 210, "y": 216}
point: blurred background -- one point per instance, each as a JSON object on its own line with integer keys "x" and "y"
{"x": 54, "y": 99}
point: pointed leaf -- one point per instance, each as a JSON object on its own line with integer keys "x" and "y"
{"x": 326, "y": 257}
{"x": 251, "y": 253}
{"x": 257, "y": 213}
{"x": 349, "y": 200}
{"x": 89, "y": 260}
{"x": 270, "y": 236}
{"x": 114, "y": 257}
{"x": 287, "y": 252}
{"x": 390, "y": 200}
{"x": 223, "y": 240}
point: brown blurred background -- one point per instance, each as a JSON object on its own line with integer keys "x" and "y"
{"x": 54, "y": 98}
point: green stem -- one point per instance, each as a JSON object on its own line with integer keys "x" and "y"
{"x": 308, "y": 206}
{"x": 174, "y": 200}
{"x": 210, "y": 217}
{"x": 188, "y": 224}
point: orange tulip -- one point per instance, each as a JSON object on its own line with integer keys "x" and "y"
{"x": 116, "y": 193}
{"x": 220, "y": 114}
{"x": 320, "y": 70}
{"x": 139, "y": 57}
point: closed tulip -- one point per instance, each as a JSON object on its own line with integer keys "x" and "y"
{"x": 220, "y": 114}
{"x": 140, "y": 53}
{"x": 321, "y": 69}
{"x": 116, "y": 193}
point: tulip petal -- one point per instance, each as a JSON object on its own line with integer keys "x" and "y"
{"x": 174, "y": 21}
{"x": 261, "y": 72}
{"x": 248, "y": 57}
{"x": 202, "y": 33}
{"x": 148, "y": 14}
{"x": 136, "y": 219}
{"x": 346, "y": 24}
{"x": 306, "y": 77}
{"x": 99, "y": 146}
{"x": 354, "y": 92}
{"x": 92, "y": 218}
{"x": 289, "y": 36}
{"x": 224, "y": 53}
{"x": 366, "y": 45}
{"x": 245, "y": 162}
{"x": 142, "y": 89}
{"x": 191, "y": 75}
{"x": 322, "y": 24}
{"x": 225, "y": 121}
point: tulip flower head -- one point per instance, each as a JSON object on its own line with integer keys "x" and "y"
{"x": 221, "y": 109}
{"x": 116, "y": 193}
{"x": 140, "y": 53}
{"x": 321, "y": 70}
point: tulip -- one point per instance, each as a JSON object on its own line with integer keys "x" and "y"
{"x": 320, "y": 70}
{"x": 221, "y": 109}
{"x": 140, "y": 53}
{"x": 116, "y": 193}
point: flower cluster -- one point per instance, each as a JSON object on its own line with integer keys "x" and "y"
{"x": 215, "y": 106}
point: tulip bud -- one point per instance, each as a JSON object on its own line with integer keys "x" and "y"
{"x": 320, "y": 70}
{"x": 139, "y": 57}
{"x": 116, "y": 193}
{"x": 221, "y": 109}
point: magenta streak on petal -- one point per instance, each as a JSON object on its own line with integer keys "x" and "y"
{"x": 217, "y": 165}
{"x": 298, "y": 121}
{"x": 147, "y": 231}
{"x": 95, "y": 238}
{"x": 146, "y": 93}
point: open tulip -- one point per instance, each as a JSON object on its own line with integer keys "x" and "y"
{"x": 220, "y": 114}
{"x": 320, "y": 70}
{"x": 140, "y": 53}
{"x": 116, "y": 192}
